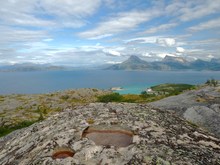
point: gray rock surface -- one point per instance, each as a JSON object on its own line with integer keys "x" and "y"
{"x": 159, "y": 137}
{"x": 205, "y": 116}
{"x": 201, "y": 107}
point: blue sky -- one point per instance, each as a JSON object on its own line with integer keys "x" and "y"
{"x": 96, "y": 32}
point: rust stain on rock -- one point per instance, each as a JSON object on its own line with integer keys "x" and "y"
{"x": 109, "y": 137}
{"x": 62, "y": 153}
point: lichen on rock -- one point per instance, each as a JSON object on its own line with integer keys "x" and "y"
{"x": 158, "y": 137}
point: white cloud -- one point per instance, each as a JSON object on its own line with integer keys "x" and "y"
{"x": 215, "y": 23}
{"x": 211, "y": 41}
{"x": 21, "y": 13}
{"x": 194, "y": 50}
{"x": 166, "y": 42}
{"x": 146, "y": 54}
{"x": 113, "y": 62}
{"x": 65, "y": 13}
{"x": 112, "y": 52}
{"x": 190, "y": 10}
{"x": 151, "y": 40}
{"x": 120, "y": 23}
{"x": 70, "y": 7}
{"x": 160, "y": 28}
{"x": 28, "y": 27}
{"x": 180, "y": 50}
{"x": 210, "y": 56}
{"x": 101, "y": 36}
{"x": 162, "y": 55}
{"x": 48, "y": 39}
{"x": 18, "y": 35}
{"x": 200, "y": 9}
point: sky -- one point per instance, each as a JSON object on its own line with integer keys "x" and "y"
{"x": 97, "y": 32}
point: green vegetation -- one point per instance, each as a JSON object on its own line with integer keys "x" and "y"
{"x": 2, "y": 98}
{"x": 8, "y": 129}
{"x": 129, "y": 98}
{"x": 212, "y": 82}
{"x": 90, "y": 121}
{"x": 172, "y": 89}
{"x": 113, "y": 97}
{"x": 17, "y": 110}
{"x": 65, "y": 97}
{"x": 34, "y": 108}
{"x": 158, "y": 92}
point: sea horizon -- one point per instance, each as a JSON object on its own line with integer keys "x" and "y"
{"x": 133, "y": 82}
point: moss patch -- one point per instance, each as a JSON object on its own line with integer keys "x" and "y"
{"x": 6, "y": 130}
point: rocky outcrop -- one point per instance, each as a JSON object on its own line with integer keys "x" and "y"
{"x": 208, "y": 117}
{"x": 201, "y": 107}
{"x": 88, "y": 135}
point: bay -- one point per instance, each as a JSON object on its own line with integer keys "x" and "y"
{"x": 130, "y": 81}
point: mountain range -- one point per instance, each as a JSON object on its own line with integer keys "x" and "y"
{"x": 29, "y": 67}
{"x": 168, "y": 63}
{"x": 132, "y": 63}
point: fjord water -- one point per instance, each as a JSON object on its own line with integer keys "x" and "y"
{"x": 131, "y": 81}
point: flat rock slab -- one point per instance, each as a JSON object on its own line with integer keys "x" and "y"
{"x": 159, "y": 137}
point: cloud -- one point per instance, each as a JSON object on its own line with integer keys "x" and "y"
{"x": 152, "y": 40}
{"x": 64, "y": 31}
{"x": 160, "y": 28}
{"x": 48, "y": 39}
{"x": 191, "y": 10}
{"x": 112, "y": 62}
{"x": 70, "y": 8}
{"x": 200, "y": 9}
{"x": 112, "y": 52}
{"x": 79, "y": 57}
{"x": 162, "y": 55}
{"x": 47, "y": 13}
{"x": 166, "y": 42}
{"x": 120, "y": 23}
{"x": 101, "y": 36}
{"x": 11, "y": 14}
{"x": 180, "y": 50}
{"x": 211, "y": 41}
{"x": 18, "y": 35}
{"x": 212, "y": 24}
{"x": 210, "y": 56}
{"x": 148, "y": 54}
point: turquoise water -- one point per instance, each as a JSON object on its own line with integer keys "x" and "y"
{"x": 133, "y": 89}
{"x": 131, "y": 81}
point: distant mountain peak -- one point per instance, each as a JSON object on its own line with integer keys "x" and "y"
{"x": 132, "y": 63}
{"x": 168, "y": 58}
{"x": 135, "y": 59}
{"x": 168, "y": 63}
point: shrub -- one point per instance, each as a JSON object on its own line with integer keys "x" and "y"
{"x": 144, "y": 94}
{"x": 212, "y": 82}
{"x": 90, "y": 121}
{"x": 41, "y": 117}
{"x": 113, "y": 97}
{"x": 7, "y": 129}
{"x": 65, "y": 97}
{"x": 95, "y": 90}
